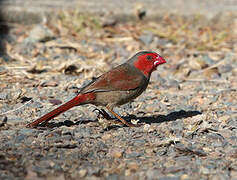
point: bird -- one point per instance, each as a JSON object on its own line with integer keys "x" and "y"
{"x": 116, "y": 87}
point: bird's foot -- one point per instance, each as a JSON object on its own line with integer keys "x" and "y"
{"x": 102, "y": 113}
{"x": 105, "y": 115}
{"x": 123, "y": 120}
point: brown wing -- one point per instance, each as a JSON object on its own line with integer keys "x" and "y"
{"x": 123, "y": 77}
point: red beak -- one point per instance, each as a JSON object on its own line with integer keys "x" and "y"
{"x": 159, "y": 60}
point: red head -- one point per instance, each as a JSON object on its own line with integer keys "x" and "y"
{"x": 147, "y": 61}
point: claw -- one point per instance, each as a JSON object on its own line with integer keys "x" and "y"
{"x": 103, "y": 113}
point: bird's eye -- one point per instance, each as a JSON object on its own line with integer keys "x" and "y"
{"x": 149, "y": 58}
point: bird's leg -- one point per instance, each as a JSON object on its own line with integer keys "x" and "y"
{"x": 107, "y": 116}
{"x": 121, "y": 119}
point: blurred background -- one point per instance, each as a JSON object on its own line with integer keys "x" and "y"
{"x": 115, "y": 29}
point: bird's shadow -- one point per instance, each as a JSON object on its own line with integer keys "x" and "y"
{"x": 165, "y": 118}
{"x": 173, "y": 116}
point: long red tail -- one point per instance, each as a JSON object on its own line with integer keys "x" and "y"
{"x": 78, "y": 100}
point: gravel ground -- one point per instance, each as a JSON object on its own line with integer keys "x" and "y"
{"x": 189, "y": 109}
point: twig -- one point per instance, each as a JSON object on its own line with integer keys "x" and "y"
{"x": 206, "y": 80}
{"x": 214, "y": 65}
{"x": 13, "y": 110}
{"x": 119, "y": 39}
